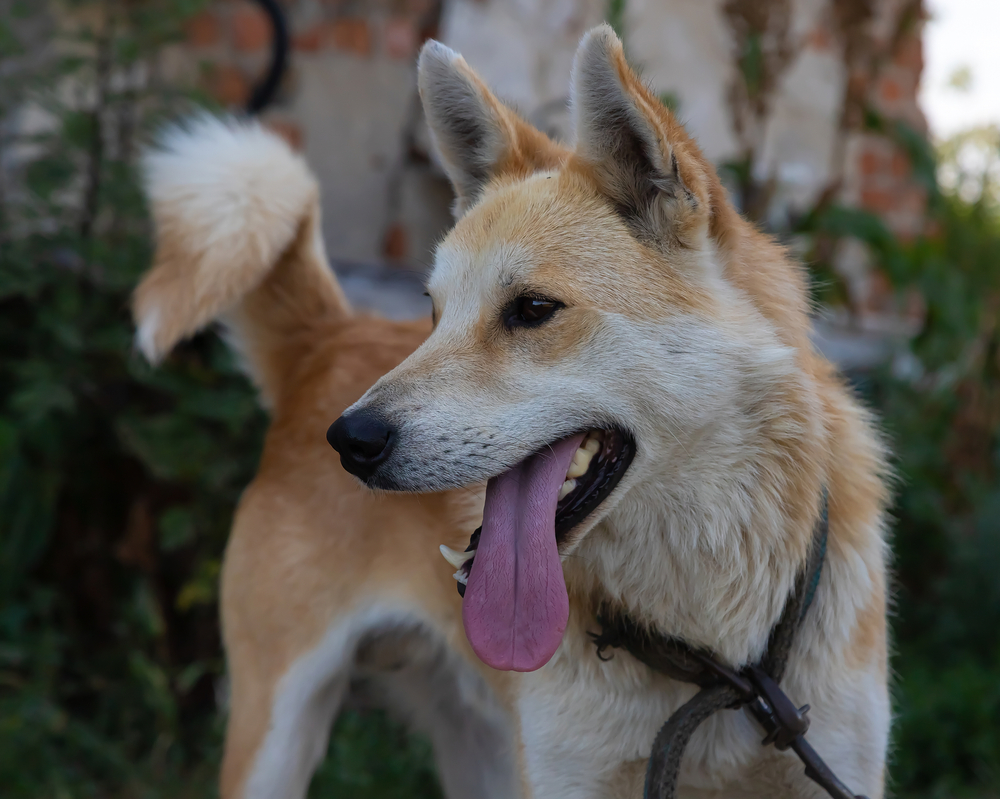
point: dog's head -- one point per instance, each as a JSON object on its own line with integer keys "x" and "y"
{"x": 587, "y": 339}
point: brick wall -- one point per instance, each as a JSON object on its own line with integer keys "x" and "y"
{"x": 879, "y": 178}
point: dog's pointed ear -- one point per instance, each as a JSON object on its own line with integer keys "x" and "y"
{"x": 477, "y": 136}
{"x": 639, "y": 155}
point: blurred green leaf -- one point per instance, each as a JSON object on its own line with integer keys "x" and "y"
{"x": 202, "y": 588}
{"x": 177, "y": 528}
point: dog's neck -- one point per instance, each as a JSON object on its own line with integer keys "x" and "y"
{"x": 707, "y": 556}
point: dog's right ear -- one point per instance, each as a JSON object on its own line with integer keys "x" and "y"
{"x": 638, "y": 154}
{"x": 478, "y": 137}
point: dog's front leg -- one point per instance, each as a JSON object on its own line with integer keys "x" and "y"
{"x": 279, "y": 723}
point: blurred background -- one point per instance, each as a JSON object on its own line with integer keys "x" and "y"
{"x": 864, "y": 133}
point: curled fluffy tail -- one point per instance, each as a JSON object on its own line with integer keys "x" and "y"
{"x": 237, "y": 239}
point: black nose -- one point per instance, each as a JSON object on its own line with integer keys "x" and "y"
{"x": 364, "y": 440}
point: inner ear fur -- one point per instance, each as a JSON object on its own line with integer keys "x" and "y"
{"x": 478, "y": 137}
{"x": 639, "y": 155}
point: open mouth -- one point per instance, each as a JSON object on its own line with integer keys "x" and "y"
{"x": 515, "y": 603}
{"x": 597, "y": 467}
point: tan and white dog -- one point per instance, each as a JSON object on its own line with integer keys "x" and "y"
{"x": 623, "y": 361}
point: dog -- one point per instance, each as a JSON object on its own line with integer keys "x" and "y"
{"x": 617, "y": 384}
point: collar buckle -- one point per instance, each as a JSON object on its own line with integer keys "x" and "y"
{"x": 776, "y": 713}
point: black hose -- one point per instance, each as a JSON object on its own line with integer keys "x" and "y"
{"x": 264, "y": 92}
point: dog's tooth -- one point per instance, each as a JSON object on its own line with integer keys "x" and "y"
{"x": 456, "y": 558}
{"x": 568, "y": 486}
{"x": 461, "y": 577}
{"x": 580, "y": 464}
{"x": 592, "y": 445}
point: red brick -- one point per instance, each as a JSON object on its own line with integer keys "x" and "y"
{"x": 395, "y": 245}
{"x": 352, "y": 35}
{"x": 289, "y": 131}
{"x": 878, "y": 200}
{"x": 819, "y": 38}
{"x": 399, "y": 37}
{"x": 310, "y": 40}
{"x": 251, "y": 29}
{"x": 870, "y": 162}
{"x": 889, "y": 90}
{"x": 900, "y": 164}
{"x": 432, "y": 30}
{"x": 228, "y": 84}
{"x": 202, "y": 30}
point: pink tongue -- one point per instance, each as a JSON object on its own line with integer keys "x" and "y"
{"x": 516, "y": 607}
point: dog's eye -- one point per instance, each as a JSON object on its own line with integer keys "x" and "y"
{"x": 530, "y": 311}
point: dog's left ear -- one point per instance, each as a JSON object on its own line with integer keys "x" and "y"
{"x": 640, "y": 156}
{"x": 478, "y": 137}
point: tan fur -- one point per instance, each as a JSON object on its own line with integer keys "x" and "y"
{"x": 278, "y": 589}
{"x": 680, "y": 319}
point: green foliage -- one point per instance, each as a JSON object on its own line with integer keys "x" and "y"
{"x": 402, "y": 768}
{"x": 670, "y": 100}
{"x": 97, "y": 695}
{"x": 941, "y": 404}
{"x": 971, "y": 163}
{"x": 939, "y": 401}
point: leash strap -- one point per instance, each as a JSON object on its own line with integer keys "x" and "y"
{"x": 665, "y": 761}
{"x": 754, "y": 688}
